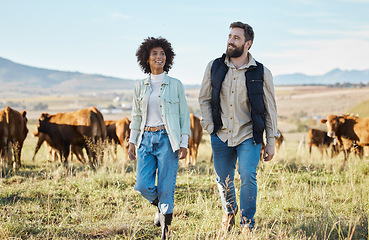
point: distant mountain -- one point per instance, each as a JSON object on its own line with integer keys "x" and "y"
{"x": 18, "y": 76}
{"x": 333, "y": 77}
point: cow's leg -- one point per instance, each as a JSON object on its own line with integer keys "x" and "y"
{"x": 194, "y": 155}
{"x": 4, "y": 152}
{"x": 52, "y": 154}
{"x": 64, "y": 153}
{"x": 310, "y": 146}
{"x": 361, "y": 152}
{"x": 17, "y": 155}
{"x": 38, "y": 146}
{"x": 326, "y": 152}
{"x": 9, "y": 153}
{"x": 115, "y": 152}
{"x": 78, "y": 151}
{"x": 346, "y": 153}
{"x": 91, "y": 158}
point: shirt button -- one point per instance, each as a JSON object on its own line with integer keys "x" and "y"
{"x": 234, "y": 78}
{"x": 232, "y": 91}
{"x": 231, "y": 105}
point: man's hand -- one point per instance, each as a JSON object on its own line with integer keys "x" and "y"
{"x": 269, "y": 152}
{"x": 182, "y": 153}
{"x": 131, "y": 151}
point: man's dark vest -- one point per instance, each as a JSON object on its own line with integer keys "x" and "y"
{"x": 254, "y": 85}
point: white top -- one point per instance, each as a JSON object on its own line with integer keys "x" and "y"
{"x": 153, "y": 111}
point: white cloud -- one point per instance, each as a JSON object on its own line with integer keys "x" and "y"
{"x": 317, "y": 57}
{"x": 363, "y": 32}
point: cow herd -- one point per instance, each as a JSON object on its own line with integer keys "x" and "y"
{"x": 64, "y": 133}
{"x": 13, "y": 132}
{"x": 347, "y": 133}
{"x": 67, "y": 134}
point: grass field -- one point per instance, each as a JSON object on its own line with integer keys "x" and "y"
{"x": 299, "y": 197}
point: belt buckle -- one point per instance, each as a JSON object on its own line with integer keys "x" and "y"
{"x": 154, "y": 129}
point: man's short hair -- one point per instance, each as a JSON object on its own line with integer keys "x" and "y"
{"x": 249, "y": 32}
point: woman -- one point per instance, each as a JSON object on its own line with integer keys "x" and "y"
{"x": 160, "y": 128}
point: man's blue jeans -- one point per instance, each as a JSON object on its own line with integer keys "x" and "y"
{"x": 225, "y": 159}
{"x": 155, "y": 157}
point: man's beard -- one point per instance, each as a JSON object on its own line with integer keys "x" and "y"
{"x": 236, "y": 52}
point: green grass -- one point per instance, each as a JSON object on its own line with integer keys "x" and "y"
{"x": 299, "y": 197}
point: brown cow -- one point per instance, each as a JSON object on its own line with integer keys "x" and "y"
{"x": 319, "y": 139}
{"x": 53, "y": 153}
{"x": 350, "y": 131}
{"x": 13, "y": 133}
{"x": 194, "y": 140}
{"x": 5, "y": 147}
{"x": 118, "y": 133}
{"x": 83, "y": 128}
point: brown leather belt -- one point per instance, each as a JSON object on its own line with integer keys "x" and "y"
{"x": 154, "y": 129}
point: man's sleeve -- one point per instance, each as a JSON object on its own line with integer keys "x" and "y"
{"x": 270, "y": 107}
{"x": 205, "y": 101}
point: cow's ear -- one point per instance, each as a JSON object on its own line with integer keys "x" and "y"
{"x": 341, "y": 120}
{"x": 44, "y": 116}
{"x": 323, "y": 120}
{"x": 24, "y": 113}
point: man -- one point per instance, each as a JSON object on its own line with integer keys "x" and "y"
{"x": 237, "y": 102}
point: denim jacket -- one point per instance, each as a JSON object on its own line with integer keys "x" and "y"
{"x": 173, "y": 109}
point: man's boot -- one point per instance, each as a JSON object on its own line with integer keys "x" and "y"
{"x": 165, "y": 221}
{"x": 228, "y": 220}
{"x": 157, "y": 214}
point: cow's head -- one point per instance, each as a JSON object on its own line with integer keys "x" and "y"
{"x": 25, "y": 120}
{"x": 45, "y": 117}
{"x": 333, "y": 122}
{"x": 24, "y": 115}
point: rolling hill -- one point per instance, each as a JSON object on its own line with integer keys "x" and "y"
{"x": 19, "y": 77}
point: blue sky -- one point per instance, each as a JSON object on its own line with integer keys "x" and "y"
{"x": 91, "y": 36}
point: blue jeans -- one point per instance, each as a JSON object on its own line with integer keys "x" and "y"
{"x": 155, "y": 158}
{"x": 225, "y": 159}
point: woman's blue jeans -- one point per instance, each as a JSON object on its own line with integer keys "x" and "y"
{"x": 155, "y": 158}
{"x": 225, "y": 159}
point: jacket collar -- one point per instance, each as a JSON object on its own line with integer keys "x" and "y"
{"x": 166, "y": 80}
{"x": 246, "y": 66}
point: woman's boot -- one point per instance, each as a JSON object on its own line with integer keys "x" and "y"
{"x": 165, "y": 221}
{"x": 157, "y": 214}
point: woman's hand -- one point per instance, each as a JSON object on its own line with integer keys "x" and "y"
{"x": 182, "y": 153}
{"x": 131, "y": 151}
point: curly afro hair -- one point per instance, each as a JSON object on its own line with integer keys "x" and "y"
{"x": 143, "y": 53}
